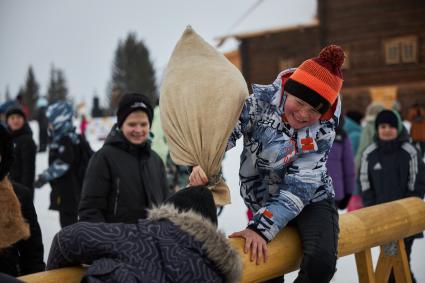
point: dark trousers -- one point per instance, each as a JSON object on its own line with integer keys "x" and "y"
{"x": 42, "y": 138}
{"x": 318, "y": 227}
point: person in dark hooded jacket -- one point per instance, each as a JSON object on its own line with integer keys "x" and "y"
{"x": 23, "y": 168}
{"x": 125, "y": 177}
{"x": 21, "y": 246}
{"x": 178, "y": 242}
{"x": 62, "y": 172}
{"x": 391, "y": 167}
{"x": 43, "y": 123}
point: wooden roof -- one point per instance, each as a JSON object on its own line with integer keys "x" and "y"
{"x": 243, "y": 35}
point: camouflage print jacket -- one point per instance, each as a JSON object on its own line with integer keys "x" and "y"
{"x": 282, "y": 169}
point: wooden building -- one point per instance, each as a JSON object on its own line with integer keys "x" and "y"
{"x": 384, "y": 41}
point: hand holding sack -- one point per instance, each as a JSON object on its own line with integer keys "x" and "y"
{"x": 202, "y": 96}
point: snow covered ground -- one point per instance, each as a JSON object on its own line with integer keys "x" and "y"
{"x": 232, "y": 219}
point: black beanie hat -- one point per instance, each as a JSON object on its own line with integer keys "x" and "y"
{"x": 389, "y": 117}
{"x": 6, "y": 151}
{"x": 199, "y": 199}
{"x": 131, "y": 102}
{"x": 15, "y": 110}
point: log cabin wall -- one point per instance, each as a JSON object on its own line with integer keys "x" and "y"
{"x": 384, "y": 41}
{"x": 385, "y": 44}
{"x": 264, "y": 56}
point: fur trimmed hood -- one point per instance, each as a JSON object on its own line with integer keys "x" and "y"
{"x": 13, "y": 226}
{"x": 214, "y": 242}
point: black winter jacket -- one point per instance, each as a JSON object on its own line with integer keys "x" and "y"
{"x": 122, "y": 180}
{"x": 25, "y": 256}
{"x": 391, "y": 170}
{"x": 167, "y": 247}
{"x": 23, "y": 168}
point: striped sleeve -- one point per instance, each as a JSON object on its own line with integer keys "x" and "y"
{"x": 364, "y": 164}
{"x": 413, "y": 164}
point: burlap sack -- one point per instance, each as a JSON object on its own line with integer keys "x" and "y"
{"x": 202, "y": 96}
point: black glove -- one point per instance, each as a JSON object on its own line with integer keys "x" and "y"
{"x": 39, "y": 182}
{"x": 342, "y": 204}
{"x": 6, "y": 151}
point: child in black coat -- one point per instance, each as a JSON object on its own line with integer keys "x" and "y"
{"x": 23, "y": 168}
{"x": 391, "y": 168}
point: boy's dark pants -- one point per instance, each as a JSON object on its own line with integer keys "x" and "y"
{"x": 318, "y": 227}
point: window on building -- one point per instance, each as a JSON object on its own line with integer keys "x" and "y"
{"x": 401, "y": 50}
{"x": 409, "y": 50}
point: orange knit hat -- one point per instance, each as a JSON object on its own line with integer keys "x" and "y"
{"x": 318, "y": 81}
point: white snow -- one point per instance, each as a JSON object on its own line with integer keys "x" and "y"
{"x": 232, "y": 219}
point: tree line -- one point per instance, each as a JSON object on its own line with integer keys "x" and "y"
{"x": 132, "y": 71}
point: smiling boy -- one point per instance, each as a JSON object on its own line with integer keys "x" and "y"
{"x": 288, "y": 129}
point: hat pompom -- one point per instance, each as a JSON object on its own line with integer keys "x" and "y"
{"x": 333, "y": 54}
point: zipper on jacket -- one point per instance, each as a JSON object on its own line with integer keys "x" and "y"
{"x": 117, "y": 197}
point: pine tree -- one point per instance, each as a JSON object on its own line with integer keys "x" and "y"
{"x": 62, "y": 89}
{"x": 30, "y": 92}
{"x": 132, "y": 71}
{"x": 57, "y": 89}
{"x": 51, "y": 91}
{"x": 7, "y": 96}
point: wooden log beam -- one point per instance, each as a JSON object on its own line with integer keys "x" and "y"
{"x": 359, "y": 231}
{"x": 62, "y": 275}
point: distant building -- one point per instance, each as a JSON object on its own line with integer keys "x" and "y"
{"x": 384, "y": 42}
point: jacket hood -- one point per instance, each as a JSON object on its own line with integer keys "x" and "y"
{"x": 13, "y": 226}
{"x": 351, "y": 126}
{"x": 214, "y": 242}
{"x": 60, "y": 116}
{"x": 372, "y": 110}
{"x": 117, "y": 139}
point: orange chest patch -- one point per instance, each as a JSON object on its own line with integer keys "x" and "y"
{"x": 268, "y": 214}
{"x": 308, "y": 144}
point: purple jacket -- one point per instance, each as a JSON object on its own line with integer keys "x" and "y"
{"x": 340, "y": 166}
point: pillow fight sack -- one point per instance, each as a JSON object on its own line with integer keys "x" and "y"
{"x": 202, "y": 95}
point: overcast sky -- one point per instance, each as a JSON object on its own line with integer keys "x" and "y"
{"x": 80, "y": 36}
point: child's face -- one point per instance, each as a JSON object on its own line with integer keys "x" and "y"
{"x": 136, "y": 127}
{"x": 15, "y": 122}
{"x": 299, "y": 113}
{"x": 386, "y": 132}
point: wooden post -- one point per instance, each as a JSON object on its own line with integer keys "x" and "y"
{"x": 383, "y": 267}
{"x": 365, "y": 267}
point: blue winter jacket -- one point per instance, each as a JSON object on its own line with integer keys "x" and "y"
{"x": 282, "y": 169}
